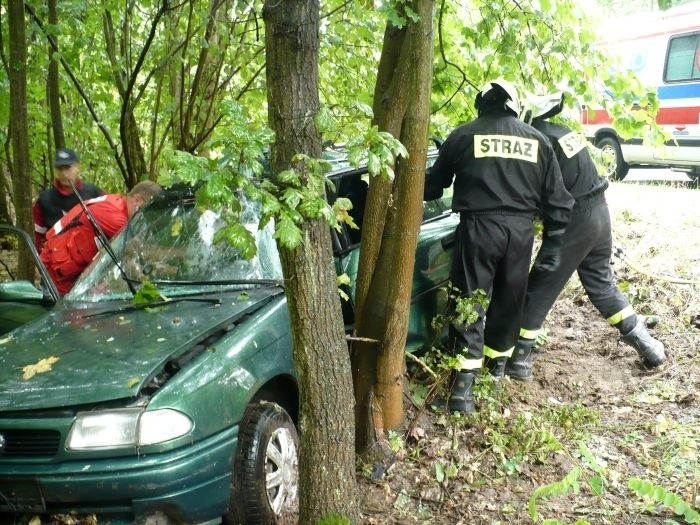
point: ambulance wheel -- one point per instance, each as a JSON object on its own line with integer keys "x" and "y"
{"x": 615, "y": 166}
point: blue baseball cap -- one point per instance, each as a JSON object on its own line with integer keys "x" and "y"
{"x": 65, "y": 157}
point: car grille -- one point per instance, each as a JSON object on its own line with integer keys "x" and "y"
{"x": 16, "y": 443}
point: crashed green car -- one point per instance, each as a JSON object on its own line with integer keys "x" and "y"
{"x": 175, "y": 411}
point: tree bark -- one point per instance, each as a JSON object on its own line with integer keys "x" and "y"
{"x": 327, "y": 459}
{"x": 19, "y": 131}
{"x": 393, "y": 214}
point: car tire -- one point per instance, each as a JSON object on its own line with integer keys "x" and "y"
{"x": 615, "y": 166}
{"x": 265, "y": 474}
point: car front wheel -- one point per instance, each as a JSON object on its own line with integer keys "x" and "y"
{"x": 615, "y": 166}
{"x": 266, "y": 474}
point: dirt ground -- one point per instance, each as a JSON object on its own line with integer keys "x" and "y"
{"x": 592, "y": 412}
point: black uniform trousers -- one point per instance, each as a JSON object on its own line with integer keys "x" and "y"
{"x": 587, "y": 250}
{"x": 492, "y": 253}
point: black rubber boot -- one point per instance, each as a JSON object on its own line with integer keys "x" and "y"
{"x": 519, "y": 366}
{"x": 462, "y": 396}
{"x": 648, "y": 348}
{"x": 496, "y": 366}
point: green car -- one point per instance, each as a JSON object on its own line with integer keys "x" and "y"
{"x": 181, "y": 411}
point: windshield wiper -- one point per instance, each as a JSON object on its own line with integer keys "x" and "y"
{"x": 103, "y": 238}
{"x": 154, "y": 304}
{"x": 224, "y": 282}
{"x": 260, "y": 283}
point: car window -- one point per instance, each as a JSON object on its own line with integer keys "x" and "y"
{"x": 438, "y": 207}
{"x": 11, "y": 276}
{"x": 683, "y": 60}
{"x": 353, "y": 185}
{"x": 175, "y": 244}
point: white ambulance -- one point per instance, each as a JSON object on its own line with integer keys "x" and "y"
{"x": 663, "y": 49}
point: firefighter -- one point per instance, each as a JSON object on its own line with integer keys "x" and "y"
{"x": 504, "y": 171}
{"x": 587, "y": 249}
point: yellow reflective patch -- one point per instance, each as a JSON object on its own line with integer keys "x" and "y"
{"x": 505, "y": 147}
{"x": 495, "y": 354}
{"x": 622, "y": 314}
{"x": 572, "y": 143}
{"x": 469, "y": 364}
{"x": 529, "y": 334}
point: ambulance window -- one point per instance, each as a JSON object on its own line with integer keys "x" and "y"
{"x": 683, "y": 61}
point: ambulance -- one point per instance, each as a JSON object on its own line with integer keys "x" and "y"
{"x": 663, "y": 50}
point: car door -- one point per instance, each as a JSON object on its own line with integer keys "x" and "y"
{"x": 431, "y": 272}
{"x": 22, "y": 299}
{"x": 433, "y": 255}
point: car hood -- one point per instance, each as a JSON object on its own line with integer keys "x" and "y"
{"x": 73, "y": 357}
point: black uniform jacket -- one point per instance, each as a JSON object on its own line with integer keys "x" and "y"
{"x": 53, "y": 204}
{"x": 501, "y": 165}
{"x": 580, "y": 175}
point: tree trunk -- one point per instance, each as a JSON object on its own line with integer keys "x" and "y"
{"x": 124, "y": 77}
{"x": 393, "y": 213}
{"x": 327, "y": 458}
{"x": 53, "y": 86}
{"x": 19, "y": 130}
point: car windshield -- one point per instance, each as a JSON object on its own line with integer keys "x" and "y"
{"x": 171, "y": 243}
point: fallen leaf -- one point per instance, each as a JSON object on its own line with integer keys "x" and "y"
{"x": 44, "y": 365}
{"x": 133, "y": 382}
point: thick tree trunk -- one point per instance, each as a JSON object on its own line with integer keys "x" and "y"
{"x": 19, "y": 130}
{"x": 403, "y": 224}
{"x": 393, "y": 213}
{"x": 327, "y": 456}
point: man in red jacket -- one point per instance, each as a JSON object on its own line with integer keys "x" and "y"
{"x": 72, "y": 242}
{"x": 54, "y": 202}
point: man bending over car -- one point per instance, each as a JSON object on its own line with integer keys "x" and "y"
{"x": 72, "y": 242}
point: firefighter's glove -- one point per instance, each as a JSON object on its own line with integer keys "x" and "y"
{"x": 548, "y": 259}
{"x": 549, "y": 256}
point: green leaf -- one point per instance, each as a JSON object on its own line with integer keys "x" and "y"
{"x": 596, "y": 484}
{"x": 323, "y": 120}
{"x": 288, "y": 233}
{"x": 238, "y": 236}
{"x": 148, "y": 293}
{"x": 439, "y": 472}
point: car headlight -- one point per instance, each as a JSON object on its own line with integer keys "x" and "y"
{"x": 126, "y": 427}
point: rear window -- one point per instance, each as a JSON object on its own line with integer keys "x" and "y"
{"x": 683, "y": 60}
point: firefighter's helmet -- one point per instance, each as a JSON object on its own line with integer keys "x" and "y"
{"x": 496, "y": 92}
{"x": 542, "y": 107}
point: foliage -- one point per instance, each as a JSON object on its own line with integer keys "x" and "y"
{"x": 568, "y": 484}
{"x": 558, "y": 52}
{"x": 461, "y": 309}
{"x": 660, "y": 495}
{"x": 485, "y": 40}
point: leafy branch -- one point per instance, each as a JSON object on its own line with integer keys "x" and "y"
{"x": 662, "y": 496}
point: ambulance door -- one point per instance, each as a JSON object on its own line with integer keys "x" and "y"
{"x": 679, "y": 98}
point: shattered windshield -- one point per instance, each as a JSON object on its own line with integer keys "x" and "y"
{"x": 171, "y": 243}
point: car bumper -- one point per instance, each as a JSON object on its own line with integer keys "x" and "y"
{"x": 188, "y": 485}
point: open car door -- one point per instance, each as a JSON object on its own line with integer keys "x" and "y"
{"x": 22, "y": 300}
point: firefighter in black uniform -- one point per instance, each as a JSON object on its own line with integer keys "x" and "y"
{"x": 587, "y": 249}
{"x": 504, "y": 171}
